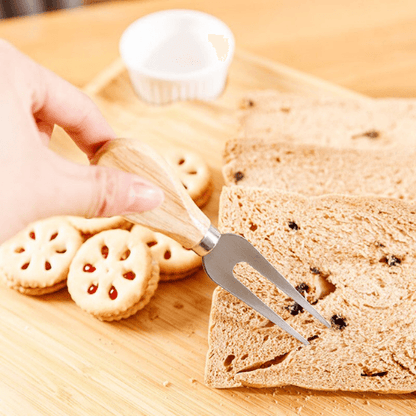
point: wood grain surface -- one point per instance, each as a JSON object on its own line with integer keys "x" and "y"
{"x": 57, "y": 360}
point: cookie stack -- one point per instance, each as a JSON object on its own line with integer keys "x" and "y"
{"x": 110, "y": 266}
{"x": 325, "y": 189}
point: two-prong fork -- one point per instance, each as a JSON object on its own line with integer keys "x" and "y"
{"x": 179, "y": 218}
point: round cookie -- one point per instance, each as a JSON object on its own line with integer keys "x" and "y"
{"x": 113, "y": 275}
{"x": 175, "y": 262}
{"x": 193, "y": 172}
{"x": 91, "y": 226}
{"x": 36, "y": 260}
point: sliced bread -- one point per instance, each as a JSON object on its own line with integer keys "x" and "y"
{"x": 316, "y": 170}
{"x": 354, "y": 259}
{"x": 329, "y": 121}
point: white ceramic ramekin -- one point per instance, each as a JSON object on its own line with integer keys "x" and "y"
{"x": 177, "y": 55}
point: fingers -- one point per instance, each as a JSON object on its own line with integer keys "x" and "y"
{"x": 52, "y": 100}
{"x": 45, "y": 131}
{"x": 95, "y": 191}
{"x": 60, "y": 187}
{"x": 36, "y": 182}
{"x": 56, "y": 101}
{"x": 120, "y": 193}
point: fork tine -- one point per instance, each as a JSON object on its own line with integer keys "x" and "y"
{"x": 258, "y": 262}
{"x": 236, "y": 288}
{"x": 232, "y": 249}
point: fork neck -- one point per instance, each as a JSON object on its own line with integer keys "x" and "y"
{"x": 208, "y": 243}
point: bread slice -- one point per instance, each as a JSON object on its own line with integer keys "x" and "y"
{"x": 329, "y": 121}
{"x": 354, "y": 259}
{"x": 274, "y": 100}
{"x": 316, "y": 170}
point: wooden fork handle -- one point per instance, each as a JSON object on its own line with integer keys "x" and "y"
{"x": 178, "y": 217}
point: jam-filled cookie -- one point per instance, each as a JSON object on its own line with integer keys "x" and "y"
{"x": 36, "y": 260}
{"x": 175, "y": 262}
{"x": 91, "y": 226}
{"x": 193, "y": 172}
{"x": 113, "y": 275}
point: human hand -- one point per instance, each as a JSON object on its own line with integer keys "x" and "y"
{"x": 35, "y": 182}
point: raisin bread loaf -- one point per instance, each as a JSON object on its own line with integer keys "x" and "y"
{"x": 353, "y": 259}
{"x": 316, "y": 170}
{"x": 329, "y": 121}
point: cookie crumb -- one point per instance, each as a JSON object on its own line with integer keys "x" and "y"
{"x": 153, "y": 313}
{"x": 166, "y": 383}
{"x": 192, "y": 380}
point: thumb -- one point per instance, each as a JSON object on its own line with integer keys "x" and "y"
{"x": 98, "y": 191}
{"x": 120, "y": 193}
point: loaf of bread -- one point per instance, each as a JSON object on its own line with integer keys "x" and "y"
{"x": 353, "y": 258}
{"x": 329, "y": 121}
{"x": 316, "y": 170}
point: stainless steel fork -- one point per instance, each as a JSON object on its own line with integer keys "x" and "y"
{"x": 179, "y": 218}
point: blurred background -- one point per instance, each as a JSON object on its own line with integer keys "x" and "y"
{"x": 12, "y": 8}
{"x": 365, "y": 45}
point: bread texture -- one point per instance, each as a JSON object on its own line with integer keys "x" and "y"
{"x": 316, "y": 170}
{"x": 329, "y": 121}
{"x": 352, "y": 258}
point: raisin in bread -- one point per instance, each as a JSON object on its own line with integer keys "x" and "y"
{"x": 353, "y": 259}
{"x": 316, "y": 170}
{"x": 329, "y": 121}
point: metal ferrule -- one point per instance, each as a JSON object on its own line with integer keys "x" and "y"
{"x": 209, "y": 241}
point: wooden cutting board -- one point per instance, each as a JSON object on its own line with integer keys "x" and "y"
{"x": 57, "y": 360}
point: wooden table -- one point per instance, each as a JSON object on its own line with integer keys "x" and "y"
{"x": 366, "y": 46}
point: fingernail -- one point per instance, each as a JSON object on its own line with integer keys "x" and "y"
{"x": 143, "y": 197}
